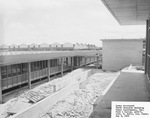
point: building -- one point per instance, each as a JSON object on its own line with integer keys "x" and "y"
{"x": 24, "y": 69}
{"x": 120, "y": 53}
{"x": 131, "y": 85}
{"x": 133, "y": 12}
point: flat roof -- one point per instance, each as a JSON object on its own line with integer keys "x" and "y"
{"x": 129, "y": 12}
{"x": 122, "y": 39}
{"x": 23, "y": 58}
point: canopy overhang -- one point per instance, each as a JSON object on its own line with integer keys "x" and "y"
{"x": 129, "y": 12}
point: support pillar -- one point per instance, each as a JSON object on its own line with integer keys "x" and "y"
{"x": 90, "y": 60}
{"x": 78, "y": 61}
{"x": 147, "y": 46}
{"x": 148, "y": 50}
{"x": 82, "y": 61}
{"x": 72, "y": 63}
{"x": 146, "y": 42}
{"x": 97, "y": 61}
{"x": 85, "y": 61}
{"x": 29, "y": 75}
{"x": 0, "y": 87}
{"x": 62, "y": 66}
{"x": 48, "y": 70}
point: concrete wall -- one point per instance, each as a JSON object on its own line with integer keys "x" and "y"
{"x": 120, "y": 53}
{"x": 40, "y": 108}
{"x": 63, "y": 88}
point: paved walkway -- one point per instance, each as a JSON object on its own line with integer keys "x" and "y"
{"x": 129, "y": 86}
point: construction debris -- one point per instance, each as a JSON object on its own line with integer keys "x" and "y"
{"x": 79, "y": 104}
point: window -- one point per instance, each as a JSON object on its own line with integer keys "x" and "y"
{"x": 41, "y": 65}
{"x": 38, "y": 65}
{"x": 24, "y": 68}
{"x": 4, "y": 72}
{"x": 32, "y": 66}
{"x": 14, "y": 69}
{"x": 44, "y": 64}
{"x": 19, "y": 69}
{"x": 9, "y": 72}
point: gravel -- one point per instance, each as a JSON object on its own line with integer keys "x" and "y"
{"x": 32, "y": 96}
{"x": 79, "y": 104}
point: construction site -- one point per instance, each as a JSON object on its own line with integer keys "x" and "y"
{"x": 73, "y": 80}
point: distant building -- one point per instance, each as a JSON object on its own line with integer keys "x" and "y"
{"x": 120, "y": 53}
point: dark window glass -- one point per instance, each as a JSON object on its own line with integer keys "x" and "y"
{"x": 24, "y": 68}
{"x": 18, "y": 69}
{"x": 55, "y": 62}
{"x": 41, "y": 65}
{"x": 51, "y": 63}
{"x": 65, "y": 61}
{"x": 32, "y": 66}
{"x": 38, "y": 65}
{"x": 4, "y": 72}
{"x": 14, "y": 69}
{"x": 9, "y": 71}
{"x": 45, "y": 63}
{"x": 35, "y": 67}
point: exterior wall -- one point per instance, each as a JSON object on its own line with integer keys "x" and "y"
{"x": 23, "y": 46}
{"x": 147, "y": 55}
{"x": 55, "y": 45}
{"x": 120, "y": 53}
{"x": 44, "y": 45}
{"x": 68, "y": 45}
{"x": 34, "y": 45}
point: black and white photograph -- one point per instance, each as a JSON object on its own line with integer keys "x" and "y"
{"x": 74, "y": 58}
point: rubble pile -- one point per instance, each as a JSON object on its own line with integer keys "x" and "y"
{"x": 44, "y": 90}
{"x": 79, "y": 104}
{"x": 32, "y": 96}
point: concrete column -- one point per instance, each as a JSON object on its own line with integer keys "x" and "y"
{"x": 85, "y": 61}
{"x": 148, "y": 49}
{"x": 62, "y": 65}
{"x": 29, "y": 75}
{"x": 78, "y": 62}
{"x": 97, "y": 62}
{"x": 36, "y": 70}
{"x": 147, "y": 46}
{"x": 48, "y": 70}
{"x": 72, "y": 63}
{"x": 90, "y": 60}
{"x": 0, "y": 86}
{"x": 146, "y": 42}
{"x": 82, "y": 60}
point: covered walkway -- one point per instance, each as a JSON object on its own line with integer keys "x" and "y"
{"x": 131, "y": 85}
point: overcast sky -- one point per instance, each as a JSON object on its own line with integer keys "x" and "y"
{"x": 50, "y": 21}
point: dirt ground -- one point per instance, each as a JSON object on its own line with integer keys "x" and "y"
{"x": 78, "y": 104}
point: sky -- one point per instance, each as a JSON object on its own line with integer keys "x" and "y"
{"x": 61, "y": 21}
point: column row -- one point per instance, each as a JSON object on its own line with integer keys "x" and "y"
{"x": 18, "y": 74}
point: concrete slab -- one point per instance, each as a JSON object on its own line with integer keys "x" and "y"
{"x": 19, "y": 106}
{"x": 129, "y": 86}
{"x": 72, "y": 78}
{"x": 41, "y": 107}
